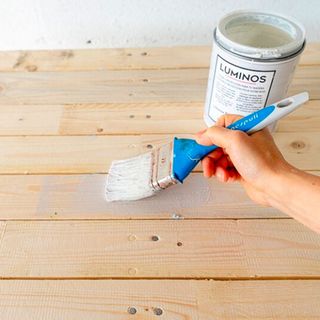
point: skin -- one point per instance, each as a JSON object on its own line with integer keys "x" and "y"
{"x": 256, "y": 162}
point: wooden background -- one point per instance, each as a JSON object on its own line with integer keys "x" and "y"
{"x": 199, "y": 251}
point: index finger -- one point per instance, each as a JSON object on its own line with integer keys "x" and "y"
{"x": 227, "y": 119}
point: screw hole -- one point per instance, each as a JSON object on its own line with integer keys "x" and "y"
{"x": 179, "y": 244}
{"x": 155, "y": 238}
{"x": 157, "y": 311}
{"x": 132, "y": 310}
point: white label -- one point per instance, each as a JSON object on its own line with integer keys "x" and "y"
{"x": 239, "y": 90}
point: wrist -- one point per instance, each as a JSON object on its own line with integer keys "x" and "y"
{"x": 278, "y": 189}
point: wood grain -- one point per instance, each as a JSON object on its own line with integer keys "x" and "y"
{"x": 64, "y": 116}
{"x": 208, "y": 249}
{"x": 121, "y": 59}
{"x": 128, "y": 118}
{"x": 94, "y": 154}
{"x": 82, "y": 197}
{"x": 180, "y": 299}
{"x": 177, "y": 85}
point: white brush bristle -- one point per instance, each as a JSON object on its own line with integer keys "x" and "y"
{"x": 130, "y": 179}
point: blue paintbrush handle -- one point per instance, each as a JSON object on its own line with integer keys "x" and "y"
{"x": 198, "y": 151}
{"x": 188, "y": 153}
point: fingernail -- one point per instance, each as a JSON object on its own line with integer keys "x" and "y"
{"x": 219, "y": 175}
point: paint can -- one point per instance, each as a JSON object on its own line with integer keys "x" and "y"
{"x": 252, "y": 62}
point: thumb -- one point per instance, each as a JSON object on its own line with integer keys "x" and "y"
{"x": 219, "y": 136}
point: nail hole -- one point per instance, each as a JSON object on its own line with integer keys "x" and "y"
{"x": 129, "y": 54}
{"x": 100, "y": 130}
{"x": 179, "y": 244}
{"x": 148, "y": 116}
{"x": 149, "y": 146}
{"x": 132, "y": 310}
{"x": 130, "y": 94}
{"x": 143, "y": 53}
{"x": 145, "y": 80}
{"x": 131, "y": 116}
{"x": 89, "y": 41}
{"x": 155, "y": 238}
{"x": 157, "y": 311}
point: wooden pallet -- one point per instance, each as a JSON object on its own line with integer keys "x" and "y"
{"x": 201, "y": 251}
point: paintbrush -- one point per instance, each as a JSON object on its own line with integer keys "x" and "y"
{"x": 149, "y": 173}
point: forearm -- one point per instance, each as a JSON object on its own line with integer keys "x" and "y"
{"x": 297, "y": 193}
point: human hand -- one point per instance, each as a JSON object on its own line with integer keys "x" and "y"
{"x": 253, "y": 160}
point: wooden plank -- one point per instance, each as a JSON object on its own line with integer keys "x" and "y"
{"x": 82, "y": 197}
{"x": 185, "y": 248}
{"x": 94, "y": 154}
{"x": 121, "y": 59}
{"x": 180, "y": 299}
{"x": 306, "y": 118}
{"x": 128, "y": 118}
{"x": 185, "y": 85}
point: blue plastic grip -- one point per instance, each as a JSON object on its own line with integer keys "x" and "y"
{"x": 187, "y": 152}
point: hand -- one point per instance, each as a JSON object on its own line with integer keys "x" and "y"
{"x": 253, "y": 160}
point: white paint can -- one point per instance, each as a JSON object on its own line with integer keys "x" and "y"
{"x": 252, "y": 63}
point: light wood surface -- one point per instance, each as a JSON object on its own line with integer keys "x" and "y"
{"x": 179, "y": 299}
{"x": 122, "y": 59}
{"x": 82, "y": 197}
{"x": 94, "y": 154}
{"x": 174, "y": 85}
{"x": 128, "y": 118}
{"x": 183, "y": 249}
{"x": 65, "y": 253}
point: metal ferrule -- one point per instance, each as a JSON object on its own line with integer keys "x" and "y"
{"x": 162, "y": 174}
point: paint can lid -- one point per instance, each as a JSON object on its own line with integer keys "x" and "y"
{"x": 260, "y": 35}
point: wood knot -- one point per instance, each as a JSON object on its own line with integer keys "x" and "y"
{"x": 67, "y": 54}
{"x": 31, "y": 68}
{"x": 298, "y": 145}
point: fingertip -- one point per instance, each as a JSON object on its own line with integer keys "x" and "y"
{"x": 204, "y": 139}
{"x": 208, "y": 167}
{"x": 221, "y": 174}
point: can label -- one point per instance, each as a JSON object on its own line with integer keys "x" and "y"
{"x": 239, "y": 89}
{"x": 238, "y": 85}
